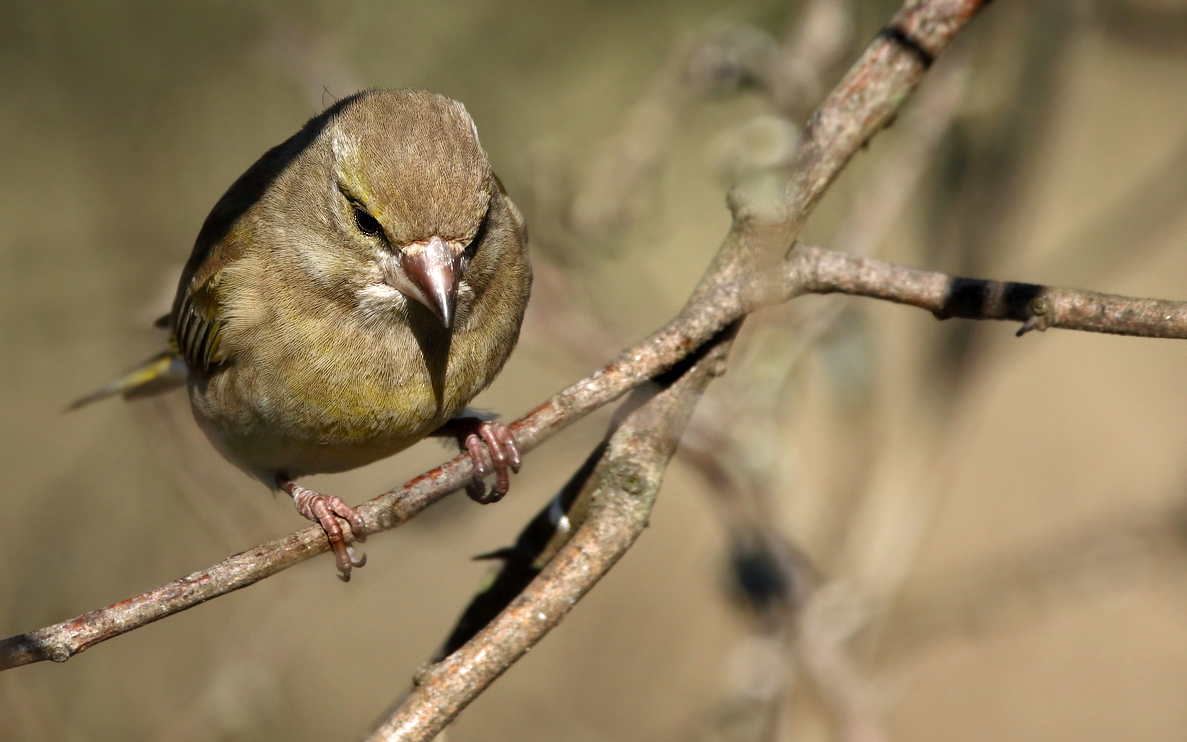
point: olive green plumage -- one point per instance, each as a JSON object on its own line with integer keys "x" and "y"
{"x": 352, "y": 291}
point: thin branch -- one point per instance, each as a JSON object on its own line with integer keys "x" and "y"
{"x": 868, "y": 98}
{"x": 723, "y": 298}
{"x": 820, "y": 41}
{"x": 768, "y": 214}
{"x": 758, "y": 233}
{"x": 699, "y": 322}
{"x": 808, "y": 270}
{"x": 629, "y": 477}
{"x": 831, "y": 616}
{"x": 1037, "y": 307}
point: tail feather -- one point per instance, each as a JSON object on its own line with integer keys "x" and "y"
{"x": 161, "y": 373}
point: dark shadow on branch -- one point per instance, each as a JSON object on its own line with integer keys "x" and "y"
{"x": 977, "y": 298}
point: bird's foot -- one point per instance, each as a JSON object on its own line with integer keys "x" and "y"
{"x": 493, "y": 449}
{"x": 325, "y": 510}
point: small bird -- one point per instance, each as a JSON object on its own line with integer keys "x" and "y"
{"x": 347, "y": 297}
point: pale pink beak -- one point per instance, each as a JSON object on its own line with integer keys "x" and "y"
{"x": 432, "y": 270}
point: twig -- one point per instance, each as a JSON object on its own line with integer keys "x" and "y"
{"x": 768, "y": 216}
{"x": 715, "y": 305}
{"x": 1037, "y": 307}
{"x": 761, "y": 228}
{"x": 725, "y": 298}
{"x": 868, "y": 97}
{"x": 817, "y": 44}
{"x": 809, "y": 270}
{"x": 831, "y": 616}
{"x": 629, "y": 478}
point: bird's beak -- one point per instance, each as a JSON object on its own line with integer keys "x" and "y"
{"x": 433, "y": 269}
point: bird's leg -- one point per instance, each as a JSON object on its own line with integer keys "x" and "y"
{"x": 325, "y": 511}
{"x": 471, "y": 434}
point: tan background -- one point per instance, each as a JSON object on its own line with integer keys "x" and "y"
{"x": 121, "y": 124}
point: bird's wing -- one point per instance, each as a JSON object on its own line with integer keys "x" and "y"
{"x": 197, "y": 314}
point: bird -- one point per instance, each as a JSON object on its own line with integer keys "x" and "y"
{"x": 348, "y": 296}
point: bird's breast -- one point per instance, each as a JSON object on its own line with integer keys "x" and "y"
{"x": 328, "y": 397}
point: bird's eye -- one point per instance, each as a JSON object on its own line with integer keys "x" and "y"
{"x": 366, "y": 223}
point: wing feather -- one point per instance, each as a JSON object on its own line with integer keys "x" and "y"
{"x": 198, "y": 325}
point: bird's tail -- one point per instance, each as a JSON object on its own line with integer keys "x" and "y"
{"x": 161, "y": 373}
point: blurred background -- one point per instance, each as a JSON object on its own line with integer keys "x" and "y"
{"x": 883, "y": 527}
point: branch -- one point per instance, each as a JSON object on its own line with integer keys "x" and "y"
{"x": 869, "y": 97}
{"x": 697, "y": 324}
{"x": 1037, "y": 307}
{"x": 877, "y": 86}
{"x": 768, "y": 215}
{"x": 809, "y": 269}
{"x": 628, "y": 480}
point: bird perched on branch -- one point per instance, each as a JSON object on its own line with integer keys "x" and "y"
{"x": 347, "y": 297}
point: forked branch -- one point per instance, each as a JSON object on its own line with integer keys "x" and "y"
{"x": 759, "y": 244}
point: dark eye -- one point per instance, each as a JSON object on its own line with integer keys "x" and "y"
{"x": 366, "y": 223}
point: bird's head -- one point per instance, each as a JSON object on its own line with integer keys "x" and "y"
{"x": 408, "y": 195}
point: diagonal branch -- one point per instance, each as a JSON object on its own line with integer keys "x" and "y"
{"x": 897, "y": 61}
{"x": 628, "y": 479}
{"x": 769, "y": 212}
{"x": 873, "y": 90}
{"x": 808, "y": 270}
{"x": 860, "y": 106}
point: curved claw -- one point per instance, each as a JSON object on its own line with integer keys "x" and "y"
{"x": 504, "y": 455}
{"x": 325, "y": 510}
{"x": 473, "y": 445}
